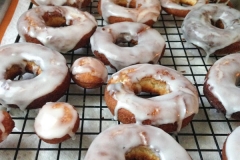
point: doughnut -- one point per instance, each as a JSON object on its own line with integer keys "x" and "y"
{"x": 223, "y": 79}
{"x": 175, "y": 8}
{"x": 89, "y": 72}
{"x": 132, "y": 141}
{"x": 73, "y": 3}
{"x": 173, "y": 108}
{"x": 6, "y": 125}
{"x": 51, "y": 75}
{"x": 148, "y": 47}
{"x": 231, "y": 146}
{"x": 141, "y": 11}
{"x": 61, "y": 28}
{"x": 56, "y": 122}
{"x": 213, "y": 28}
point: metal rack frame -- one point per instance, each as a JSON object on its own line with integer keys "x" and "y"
{"x": 203, "y": 138}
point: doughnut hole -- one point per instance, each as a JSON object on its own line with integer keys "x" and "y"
{"x": 237, "y": 82}
{"x": 218, "y": 23}
{"x": 141, "y": 153}
{"x": 124, "y": 3}
{"x": 54, "y": 19}
{"x": 126, "y": 40}
{"x": 186, "y": 2}
{"x": 127, "y": 3}
{"x": 16, "y": 70}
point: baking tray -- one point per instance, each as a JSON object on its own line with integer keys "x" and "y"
{"x": 203, "y": 138}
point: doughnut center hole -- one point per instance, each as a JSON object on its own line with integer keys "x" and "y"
{"x": 218, "y": 23}
{"x": 127, "y": 3}
{"x": 186, "y": 2}
{"x": 152, "y": 86}
{"x": 126, "y": 40}
{"x": 17, "y": 72}
{"x": 54, "y": 19}
{"x": 237, "y": 83}
{"x": 141, "y": 153}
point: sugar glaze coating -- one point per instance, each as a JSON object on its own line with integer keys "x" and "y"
{"x": 115, "y": 141}
{"x": 232, "y": 145}
{"x": 172, "y": 4}
{"x": 62, "y": 39}
{"x": 55, "y": 120}
{"x": 198, "y": 30}
{"x": 60, "y": 2}
{"x": 221, "y": 81}
{"x": 180, "y": 102}
{"x": 144, "y": 11}
{"x": 90, "y": 65}
{"x": 150, "y": 44}
{"x": 53, "y": 72}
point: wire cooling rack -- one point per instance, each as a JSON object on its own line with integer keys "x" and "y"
{"x": 203, "y": 138}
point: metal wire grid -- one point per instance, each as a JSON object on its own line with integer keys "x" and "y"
{"x": 203, "y": 138}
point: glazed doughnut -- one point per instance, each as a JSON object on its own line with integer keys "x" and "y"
{"x": 141, "y": 11}
{"x": 175, "y": 8}
{"x": 231, "y": 146}
{"x": 52, "y": 76}
{"x": 61, "y": 28}
{"x": 132, "y": 141}
{"x": 56, "y": 122}
{"x": 173, "y": 109}
{"x": 149, "y": 44}
{"x": 89, "y": 72}
{"x": 6, "y": 125}
{"x": 73, "y": 3}
{"x": 223, "y": 77}
{"x": 220, "y": 38}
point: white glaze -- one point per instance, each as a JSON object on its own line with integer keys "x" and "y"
{"x": 50, "y": 124}
{"x": 222, "y": 78}
{"x": 62, "y": 39}
{"x": 2, "y": 128}
{"x": 23, "y": 92}
{"x": 233, "y": 145}
{"x": 149, "y": 48}
{"x": 173, "y": 5}
{"x": 181, "y": 102}
{"x": 114, "y": 142}
{"x": 59, "y": 2}
{"x": 90, "y": 65}
{"x": 198, "y": 30}
{"x": 148, "y": 10}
